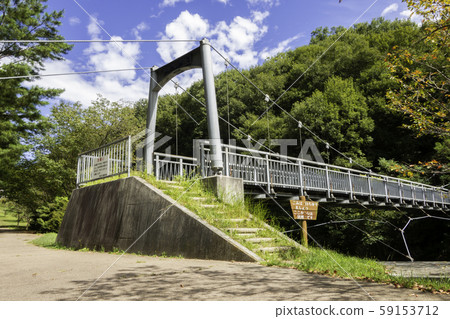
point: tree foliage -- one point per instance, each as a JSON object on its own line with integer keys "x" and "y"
{"x": 20, "y": 117}
{"x": 421, "y": 71}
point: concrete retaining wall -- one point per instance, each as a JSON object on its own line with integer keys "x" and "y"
{"x": 115, "y": 214}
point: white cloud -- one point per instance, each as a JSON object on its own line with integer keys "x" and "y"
{"x": 171, "y": 3}
{"x": 269, "y": 3}
{"x": 224, "y": 1}
{"x": 74, "y": 21}
{"x": 258, "y": 16}
{"x": 139, "y": 28}
{"x": 236, "y": 38}
{"x": 94, "y": 29}
{"x": 124, "y": 85}
{"x": 391, "y": 8}
{"x": 186, "y": 26}
{"x": 414, "y": 17}
{"x": 282, "y": 46}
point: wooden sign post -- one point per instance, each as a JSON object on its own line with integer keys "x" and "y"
{"x": 304, "y": 210}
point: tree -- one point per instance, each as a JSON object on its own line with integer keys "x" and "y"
{"x": 422, "y": 72}
{"x": 340, "y": 113}
{"x": 50, "y": 167}
{"x": 19, "y": 101}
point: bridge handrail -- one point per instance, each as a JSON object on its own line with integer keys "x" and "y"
{"x": 193, "y": 159}
{"x": 118, "y": 153}
{"x": 295, "y": 160}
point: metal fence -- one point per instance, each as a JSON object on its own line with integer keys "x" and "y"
{"x": 108, "y": 160}
{"x": 272, "y": 171}
{"x": 168, "y": 166}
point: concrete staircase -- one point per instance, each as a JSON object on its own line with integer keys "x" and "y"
{"x": 254, "y": 234}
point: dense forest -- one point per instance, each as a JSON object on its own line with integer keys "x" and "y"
{"x": 359, "y": 97}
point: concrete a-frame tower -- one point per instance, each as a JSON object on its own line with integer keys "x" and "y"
{"x": 197, "y": 58}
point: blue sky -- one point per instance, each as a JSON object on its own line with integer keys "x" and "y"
{"x": 246, "y": 31}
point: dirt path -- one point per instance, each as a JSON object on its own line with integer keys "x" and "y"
{"x": 28, "y": 272}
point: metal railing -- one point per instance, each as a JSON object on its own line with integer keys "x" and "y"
{"x": 284, "y": 172}
{"x": 116, "y": 157}
{"x": 168, "y": 166}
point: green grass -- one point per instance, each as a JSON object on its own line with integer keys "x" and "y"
{"x": 47, "y": 240}
{"x": 314, "y": 260}
{"x": 8, "y": 219}
{"x": 334, "y": 264}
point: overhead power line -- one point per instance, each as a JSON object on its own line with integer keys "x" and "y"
{"x": 94, "y": 41}
{"x": 31, "y": 76}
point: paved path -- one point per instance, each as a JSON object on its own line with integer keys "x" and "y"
{"x": 28, "y": 272}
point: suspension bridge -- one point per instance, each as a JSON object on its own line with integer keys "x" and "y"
{"x": 264, "y": 174}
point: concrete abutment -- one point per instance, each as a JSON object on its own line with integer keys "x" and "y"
{"x": 132, "y": 214}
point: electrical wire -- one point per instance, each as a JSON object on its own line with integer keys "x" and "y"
{"x": 132, "y": 58}
{"x": 31, "y": 76}
{"x": 96, "y": 41}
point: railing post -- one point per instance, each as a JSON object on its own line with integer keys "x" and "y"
{"x": 129, "y": 155}
{"x": 181, "y": 167}
{"x": 328, "y": 182}
{"x": 202, "y": 159}
{"x": 370, "y": 187}
{"x": 78, "y": 170}
{"x": 424, "y": 196}
{"x": 156, "y": 167}
{"x": 386, "y": 190}
{"x": 400, "y": 191}
{"x": 268, "y": 173}
{"x": 434, "y": 200}
{"x": 350, "y": 185}
{"x": 227, "y": 161}
{"x": 300, "y": 176}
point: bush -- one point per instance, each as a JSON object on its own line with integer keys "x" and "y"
{"x": 51, "y": 215}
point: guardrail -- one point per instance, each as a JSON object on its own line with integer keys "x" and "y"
{"x": 106, "y": 161}
{"x": 168, "y": 166}
{"x": 272, "y": 171}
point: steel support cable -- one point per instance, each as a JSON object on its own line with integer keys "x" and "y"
{"x": 401, "y": 230}
{"x": 315, "y": 61}
{"x": 317, "y": 243}
{"x": 335, "y": 222}
{"x": 390, "y": 247}
{"x": 228, "y": 101}
{"x": 130, "y": 57}
{"x": 230, "y": 124}
{"x": 289, "y": 114}
{"x": 410, "y": 219}
{"x": 388, "y": 222}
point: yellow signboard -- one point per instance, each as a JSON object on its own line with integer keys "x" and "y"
{"x": 306, "y": 210}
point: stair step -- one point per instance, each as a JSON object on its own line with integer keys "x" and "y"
{"x": 260, "y": 239}
{"x": 199, "y": 198}
{"x": 274, "y": 249}
{"x": 245, "y": 235}
{"x": 235, "y": 220}
{"x": 209, "y": 206}
{"x": 175, "y": 187}
{"x": 244, "y": 230}
{"x": 168, "y": 182}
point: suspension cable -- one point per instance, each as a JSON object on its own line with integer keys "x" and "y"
{"x": 290, "y": 115}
